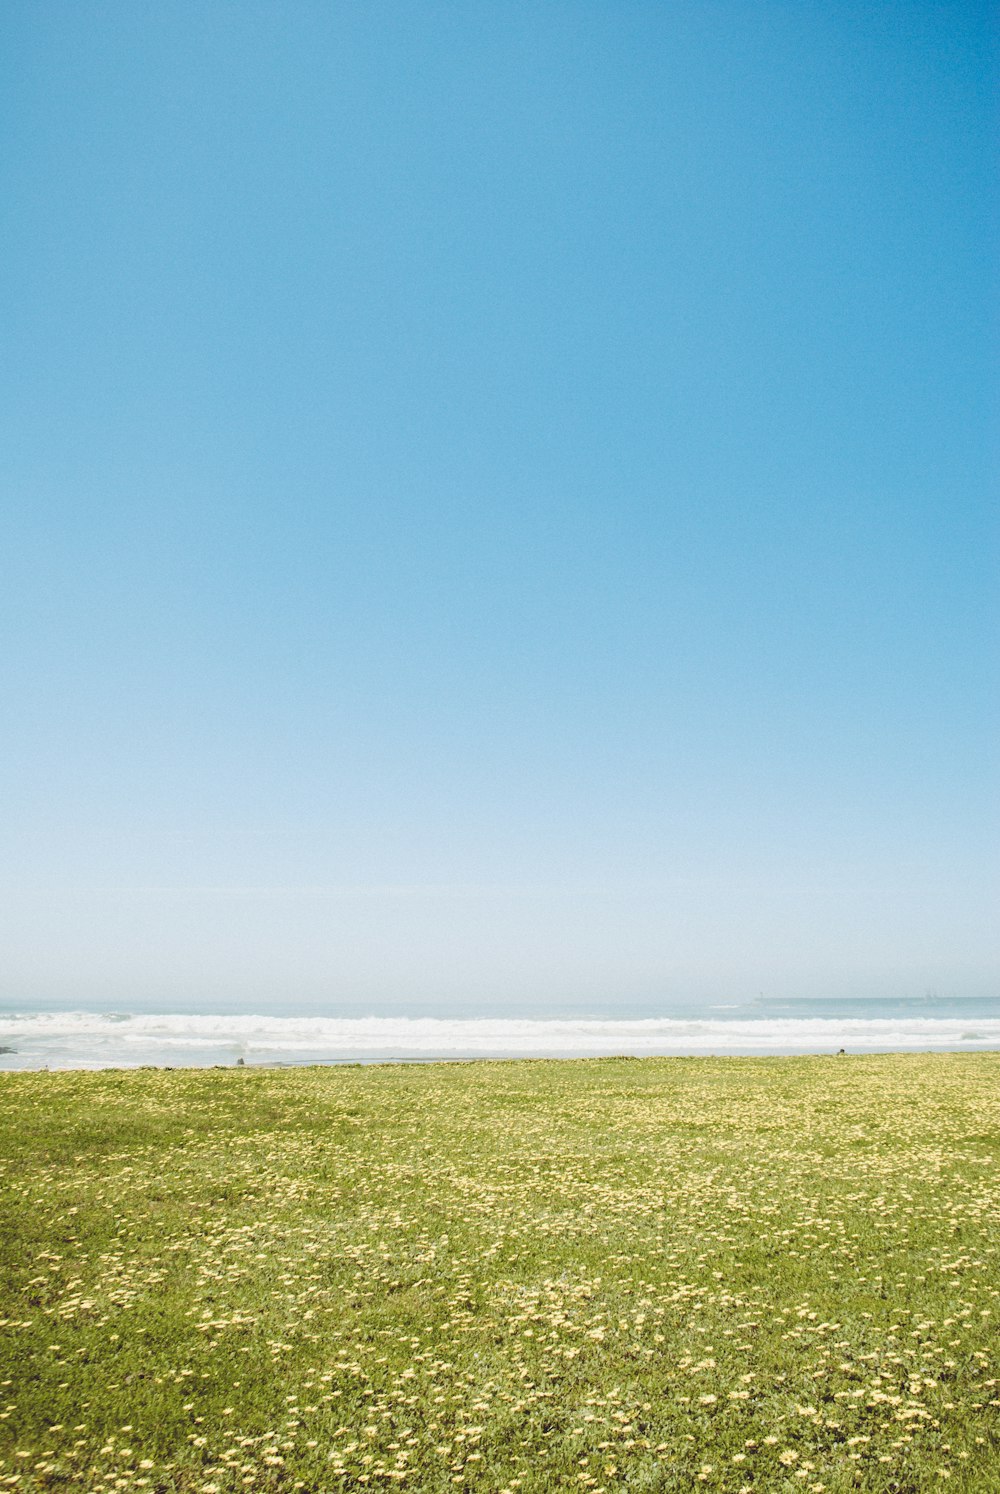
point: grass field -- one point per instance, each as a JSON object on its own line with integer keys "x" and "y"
{"x": 733, "y": 1274}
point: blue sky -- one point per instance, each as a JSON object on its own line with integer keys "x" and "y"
{"x": 498, "y": 503}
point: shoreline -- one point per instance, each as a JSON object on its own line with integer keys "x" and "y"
{"x": 94, "y": 1041}
{"x": 464, "y": 1059}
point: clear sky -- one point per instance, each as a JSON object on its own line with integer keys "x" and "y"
{"x": 497, "y": 503}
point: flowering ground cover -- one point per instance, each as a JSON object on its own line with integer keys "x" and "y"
{"x": 668, "y": 1274}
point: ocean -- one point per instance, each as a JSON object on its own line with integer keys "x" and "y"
{"x": 53, "y": 1039}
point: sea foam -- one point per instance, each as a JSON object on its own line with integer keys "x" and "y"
{"x": 115, "y": 1040}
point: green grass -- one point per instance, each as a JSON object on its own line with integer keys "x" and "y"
{"x": 668, "y": 1274}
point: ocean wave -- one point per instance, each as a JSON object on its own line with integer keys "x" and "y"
{"x": 91, "y": 1040}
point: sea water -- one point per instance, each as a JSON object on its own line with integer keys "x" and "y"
{"x": 35, "y": 1039}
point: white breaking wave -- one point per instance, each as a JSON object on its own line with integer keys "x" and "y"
{"x": 87, "y": 1040}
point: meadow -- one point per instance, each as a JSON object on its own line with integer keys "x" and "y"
{"x": 667, "y": 1274}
